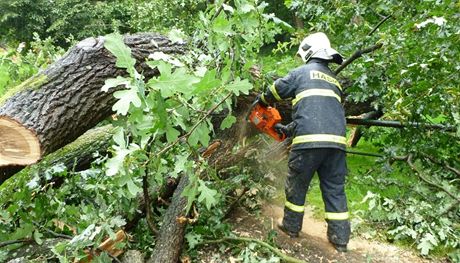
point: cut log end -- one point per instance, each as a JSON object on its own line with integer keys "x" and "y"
{"x": 18, "y": 145}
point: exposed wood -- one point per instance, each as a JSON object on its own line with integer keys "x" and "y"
{"x": 18, "y": 145}
{"x": 77, "y": 155}
{"x": 57, "y": 105}
{"x": 169, "y": 243}
{"x": 109, "y": 245}
{"x": 357, "y": 133}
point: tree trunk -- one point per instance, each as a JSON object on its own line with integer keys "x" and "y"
{"x": 33, "y": 250}
{"x": 75, "y": 156}
{"x": 168, "y": 245}
{"x": 57, "y": 105}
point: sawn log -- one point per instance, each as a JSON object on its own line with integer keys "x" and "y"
{"x": 57, "y": 105}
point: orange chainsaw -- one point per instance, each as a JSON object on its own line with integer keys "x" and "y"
{"x": 266, "y": 120}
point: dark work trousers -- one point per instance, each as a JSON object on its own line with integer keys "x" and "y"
{"x": 331, "y": 166}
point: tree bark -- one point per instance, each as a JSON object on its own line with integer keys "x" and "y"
{"x": 60, "y": 103}
{"x": 169, "y": 243}
{"x": 76, "y": 156}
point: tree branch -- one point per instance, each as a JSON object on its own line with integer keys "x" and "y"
{"x": 148, "y": 207}
{"x": 448, "y": 167}
{"x": 11, "y": 242}
{"x": 360, "y": 51}
{"x": 379, "y": 24}
{"x": 420, "y": 174}
{"x": 276, "y": 251}
{"x": 185, "y": 136}
{"x": 357, "y": 55}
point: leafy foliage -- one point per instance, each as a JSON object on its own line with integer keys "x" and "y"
{"x": 16, "y": 65}
{"x": 412, "y": 78}
{"x": 162, "y": 123}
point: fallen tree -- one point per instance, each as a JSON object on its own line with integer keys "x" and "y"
{"x": 57, "y": 105}
{"x": 92, "y": 96}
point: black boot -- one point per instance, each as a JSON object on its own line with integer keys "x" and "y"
{"x": 287, "y": 232}
{"x": 340, "y": 248}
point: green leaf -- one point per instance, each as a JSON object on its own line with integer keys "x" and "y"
{"x": 176, "y": 36}
{"x": 114, "y": 43}
{"x": 126, "y": 97}
{"x": 190, "y": 192}
{"x": 112, "y": 83}
{"x": 239, "y": 85}
{"x": 207, "y": 195}
{"x": 168, "y": 84}
{"x": 38, "y": 237}
{"x": 208, "y": 82}
{"x": 119, "y": 137}
{"x": 114, "y": 165}
{"x": 200, "y": 134}
{"x": 427, "y": 243}
{"x": 246, "y": 8}
{"x": 172, "y": 134}
{"x": 193, "y": 239}
{"x": 165, "y": 57}
{"x": 133, "y": 188}
{"x": 227, "y": 122}
{"x": 222, "y": 25}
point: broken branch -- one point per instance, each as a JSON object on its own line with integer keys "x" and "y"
{"x": 276, "y": 251}
{"x": 420, "y": 174}
{"x": 356, "y": 55}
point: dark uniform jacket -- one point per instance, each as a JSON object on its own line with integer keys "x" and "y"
{"x": 317, "y": 110}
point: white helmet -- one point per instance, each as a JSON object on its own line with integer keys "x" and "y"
{"x": 317, "y": 45}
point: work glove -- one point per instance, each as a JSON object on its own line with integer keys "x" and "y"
{"x": 287, "y": 130}
{"x": 259, "y": 101}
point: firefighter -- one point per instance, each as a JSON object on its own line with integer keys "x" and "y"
{"x": 318, "y": 138}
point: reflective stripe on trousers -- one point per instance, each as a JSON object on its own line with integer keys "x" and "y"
{"x": 319, "y": 138}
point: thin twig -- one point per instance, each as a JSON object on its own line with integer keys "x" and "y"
{"x": 448, "y": 167}
{"x": 185, "y": 136}
{"x": 447, "y": 209}
{"x": 11, "y": 242}
{"x": 379, "y": 24}
{"x": 147, "y": 204}
{"x": 54, "y": 234}
{"x": 420, "y": 174}
{"x": 360, "y": 51}
{"x": 276, "y": 251}
{"x": 365, "y": 153}
{"x": 235, "y": 202}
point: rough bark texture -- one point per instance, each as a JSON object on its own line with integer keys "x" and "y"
{"x": 168, "y": 245}
{"x": 132, "y": 256}
{"x": 65, "y": 100}
{"x": 75, "y": 156}
{"x": 32, "y": 250}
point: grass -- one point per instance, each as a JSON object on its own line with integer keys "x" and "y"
{"x": 365, "y": 174}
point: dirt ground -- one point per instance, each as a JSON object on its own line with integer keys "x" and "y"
{"x": 312, "y": 245}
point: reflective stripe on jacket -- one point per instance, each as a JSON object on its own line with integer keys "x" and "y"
{"x": 317, "y": 110}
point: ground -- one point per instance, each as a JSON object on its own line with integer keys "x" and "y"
{"x": 312, "y": 245}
